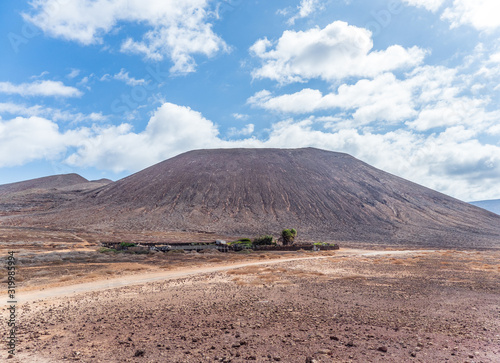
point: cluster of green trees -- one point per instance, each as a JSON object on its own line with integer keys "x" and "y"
{"x": 287, "y": 236}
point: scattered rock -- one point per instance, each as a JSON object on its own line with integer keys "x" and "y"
{"x": 139, "y": 353}
{"x": 382, "y": 349}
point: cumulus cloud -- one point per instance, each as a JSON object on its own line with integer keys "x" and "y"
{"x": 426, "y": 98}
{"x": 26, "y": 139}
{"x": 384, "y": 98}
{"x": 480, "y": 14}
{"x": 178, "y": 29}
{"x": 171, "y": 130}
{"x": 335, "y": 52}
{"x": 40, "y": 88}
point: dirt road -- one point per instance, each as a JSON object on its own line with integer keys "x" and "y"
{"x": 64, "y": 291}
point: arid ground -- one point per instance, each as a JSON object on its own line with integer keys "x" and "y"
{"x": 351, "y": 305}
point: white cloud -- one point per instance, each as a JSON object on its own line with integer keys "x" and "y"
{"x": 384, "y": 98}
{"x": 131, "y": 81}
{"x": 40, "y": 88}
{"x": 480, "y": 14}
{"x": 426, "y": 98}
{"x": 432, "y": 5}
{"x": 458, "y": 111}
{"x": 41, "y": 75}
{"x": 305, "y": 8}
{"x": 178, "y": 28}
{"x": 239, "y": 116}
{"x": 26, "y": 139}
{"x": 335, "y": 52}
{"x": 50, "y": 113}
{"x": 245, "y": 131}
{"x": 73, "y": 74}
{"x": 171, "y": 130}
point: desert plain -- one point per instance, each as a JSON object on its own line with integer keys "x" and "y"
{"x": 356, "y": 304}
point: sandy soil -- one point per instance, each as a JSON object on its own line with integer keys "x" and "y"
{"x": 354, "y": 306}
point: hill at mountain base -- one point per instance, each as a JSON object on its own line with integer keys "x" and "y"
{"x": 45, "y": 193}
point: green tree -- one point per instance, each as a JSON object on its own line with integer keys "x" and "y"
{"x": 288, "y": 236}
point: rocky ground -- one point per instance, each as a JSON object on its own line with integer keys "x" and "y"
{"x": 438, "y": 306}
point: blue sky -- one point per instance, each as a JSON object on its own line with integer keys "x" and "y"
{"x": 105, "y": 88}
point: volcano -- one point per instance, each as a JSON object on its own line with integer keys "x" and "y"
{"x": 324, "y": 195}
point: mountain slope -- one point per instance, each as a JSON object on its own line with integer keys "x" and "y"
{"x": 55, "y": 181}
{"x": 325, "y": 195}
{"x": 42, "y": 194}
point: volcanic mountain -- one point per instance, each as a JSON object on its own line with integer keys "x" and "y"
{"x": 324, "y": 195}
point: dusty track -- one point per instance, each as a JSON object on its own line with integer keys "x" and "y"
{"x": 64, "y": 291}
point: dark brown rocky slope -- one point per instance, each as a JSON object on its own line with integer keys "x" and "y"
{"x": 45, "y": 193}
{"x": 54, "y": 181}
{"x": 324, "y": 195}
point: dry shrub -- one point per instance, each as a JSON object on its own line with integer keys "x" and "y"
{"x": 397, "y": 262}
{"x": 134, "y": 268}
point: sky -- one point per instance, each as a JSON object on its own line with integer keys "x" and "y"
{"x": 106, "y": 88}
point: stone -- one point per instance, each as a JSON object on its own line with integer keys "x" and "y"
{"x": 382, "y": 349}
{"x": 139, "y": 353}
